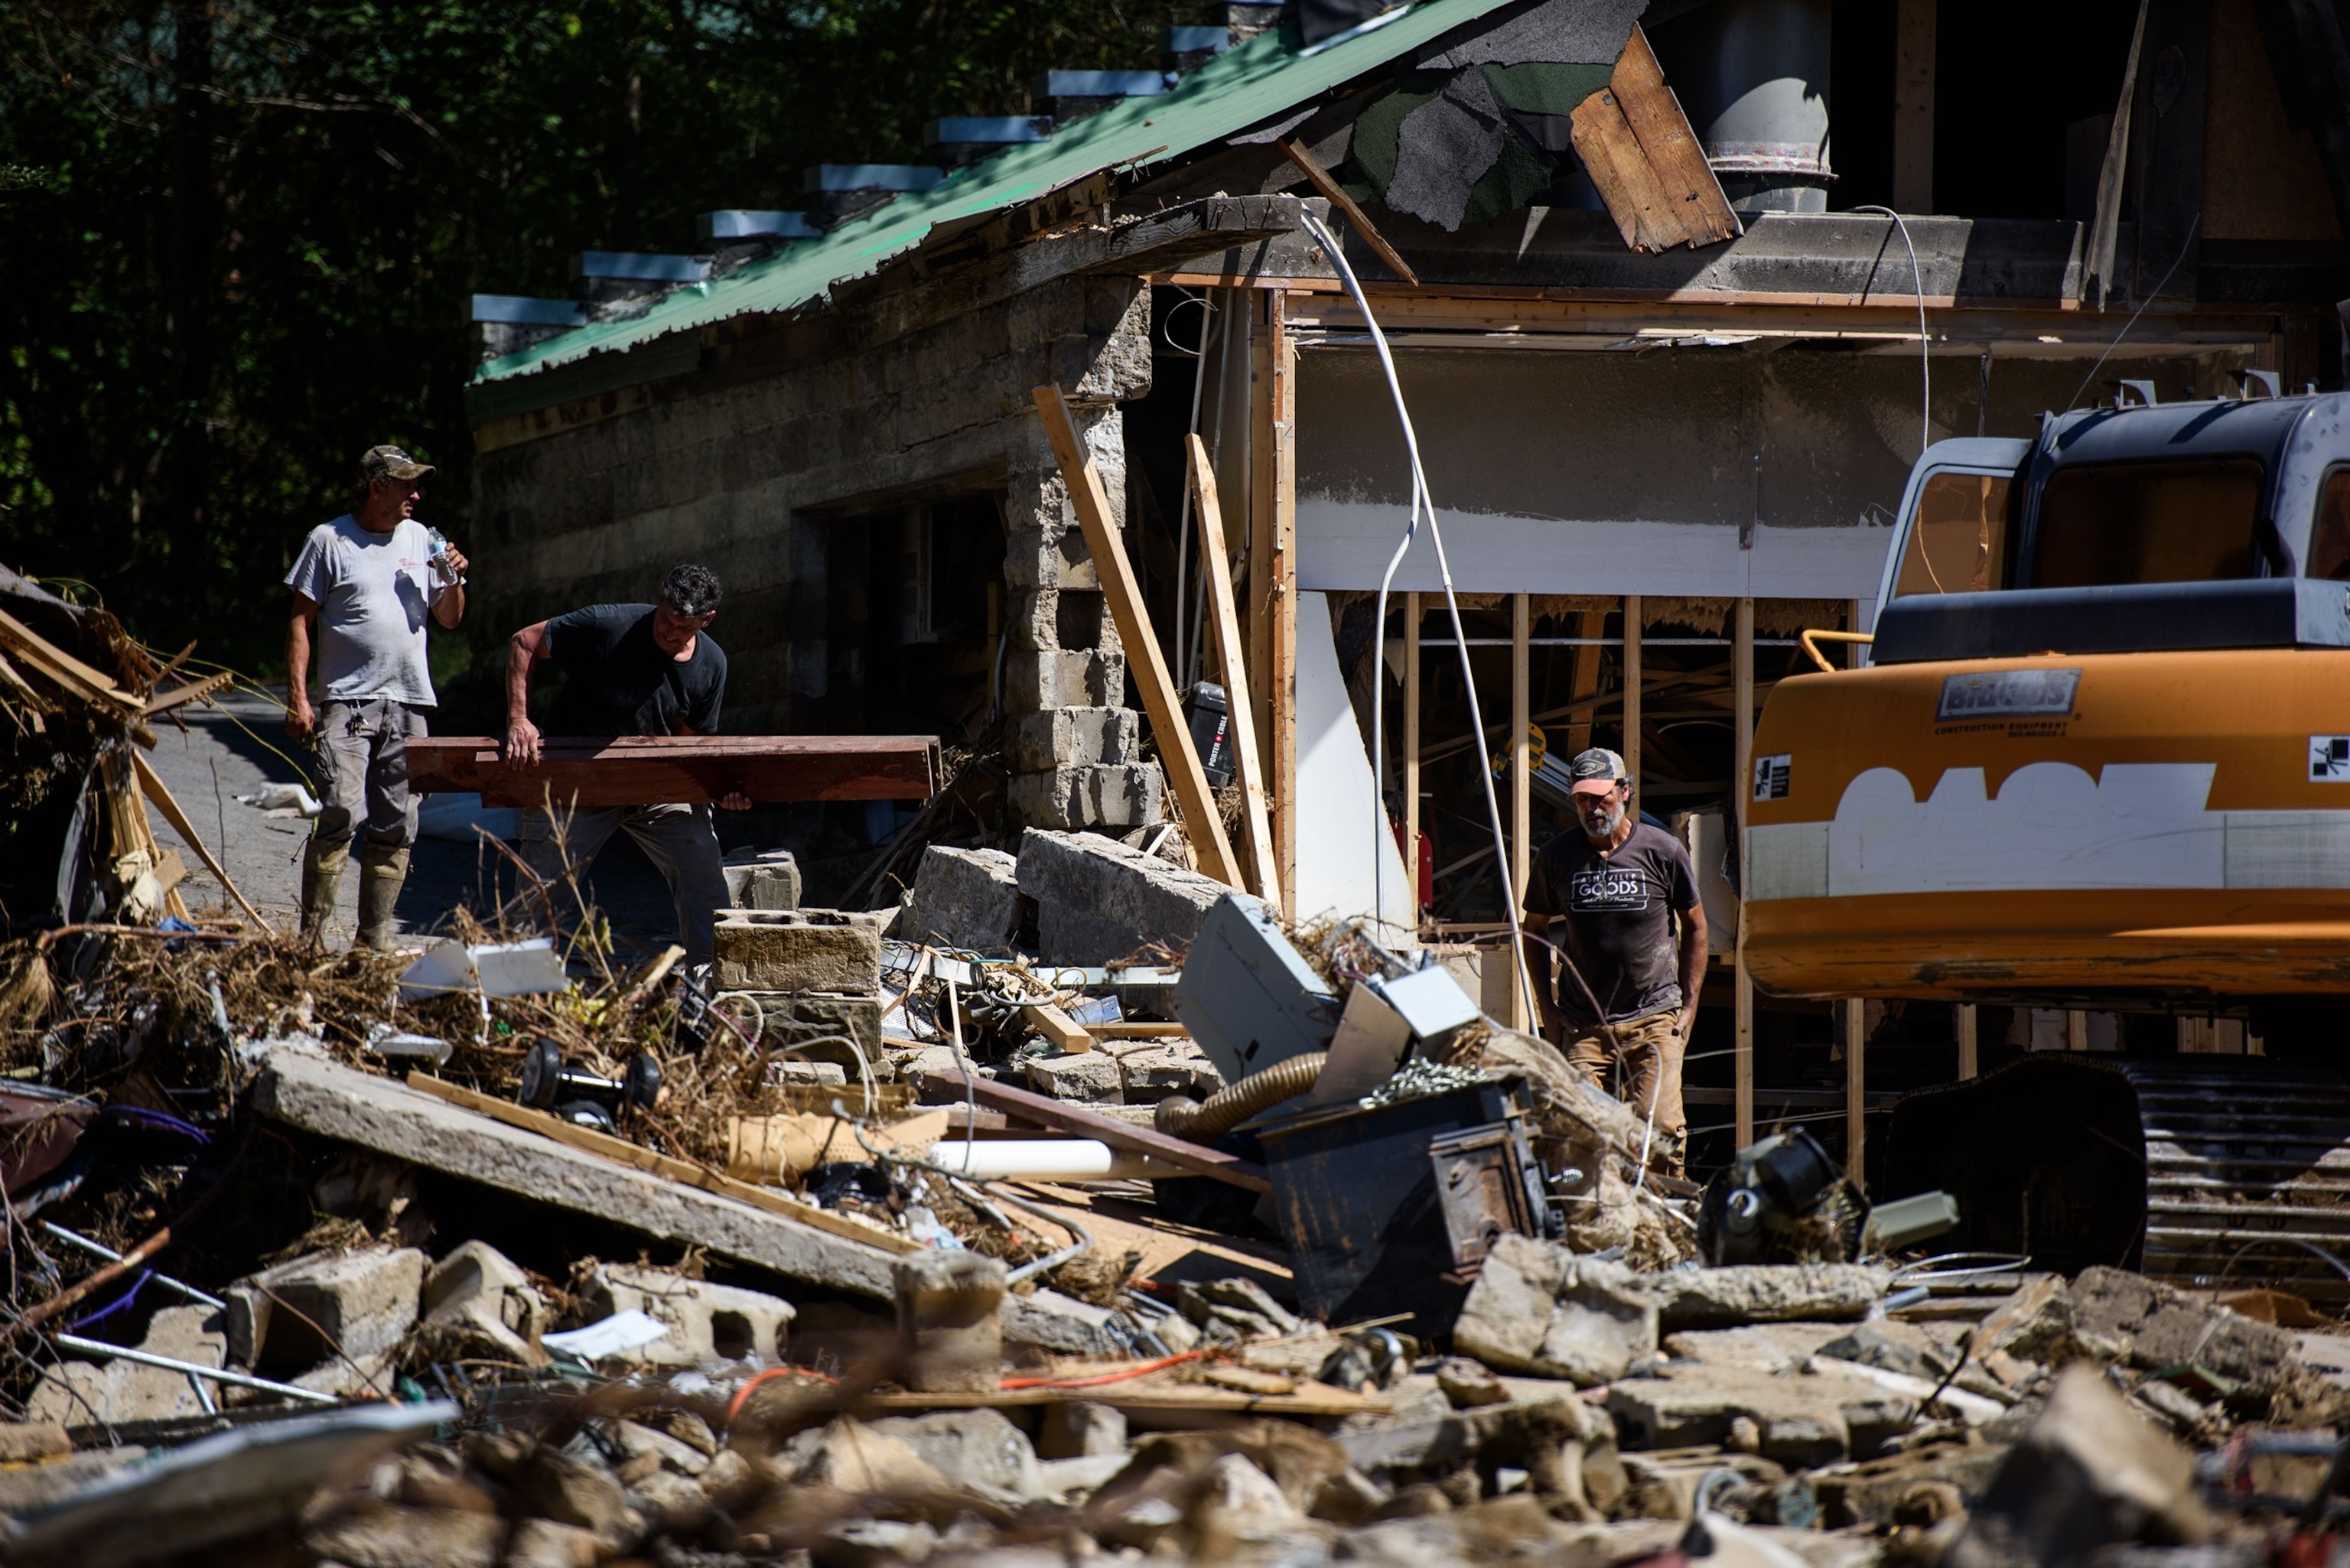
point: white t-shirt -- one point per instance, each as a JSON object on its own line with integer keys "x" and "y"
{"x": 374, "y": 592}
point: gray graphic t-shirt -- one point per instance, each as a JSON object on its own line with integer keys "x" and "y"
{"x": 1613, "y": 914}
{"x": 373, "y": 592}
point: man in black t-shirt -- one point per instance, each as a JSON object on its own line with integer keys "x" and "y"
{"x": 630, "y": 669}
{"x": 1612, "y": 891}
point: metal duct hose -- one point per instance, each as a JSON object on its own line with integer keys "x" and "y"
{"x": 1236, "y": 1102}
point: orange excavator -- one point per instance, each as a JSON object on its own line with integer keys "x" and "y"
{"x": 2098, "y": 758}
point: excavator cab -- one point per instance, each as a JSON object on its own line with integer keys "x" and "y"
{"x": 2099, "y": 753}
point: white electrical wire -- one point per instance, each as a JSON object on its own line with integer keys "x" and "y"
{"x": 1925, "y": 364}
{"x": 1420, "y": 501}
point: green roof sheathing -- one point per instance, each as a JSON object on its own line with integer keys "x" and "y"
{"x": 1232, "y": 92}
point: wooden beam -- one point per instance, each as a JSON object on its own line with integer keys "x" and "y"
{"x": 1856, "y": 1094}
{"x": 1675, "y": 156}
{"x": 1741, "y": 790}
{"x": 1620, "y": 171}
{"x": 1223, "y": 621}
{"x": 2104, "y": 232}
{"x": 1281, "y": 592}
{"x": 47, "y": 658}
{"x": 1587, "y": 659}
{"x": 1412, "y": 743}
{"x": 1913, "y": 105}
{"x": 151, "y": 784}
{"x": 1261, "y": 487}
{"x": 1522, "y": 771}
{"x": 1057, "y": 1027}
{"x": 203, "y": 691}
{"x": 1078, "y": 1122}
{"x": 1632, "y": 693}
{"x": 1145, "y": 663}
{"x": 1969, "y": 1053}
{"x": 1320, "y": 180}
{"x": 633, "y": 770}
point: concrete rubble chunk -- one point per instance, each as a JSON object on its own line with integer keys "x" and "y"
{"x": 1152, "y": 1074}
{"x": 1066, "y": 737}
{"x": 1767, "y": 1293}
{"x": 966, "y": 898}
{"x": 1080, "y": 1428}
{"x": 2090, "y": 1473}
{"x": 580, "y": 1493}
{"x": 851, "y": 1455}
{"x": 706, "y": 1321}
{"x": 479, "y": 1290}
{"x": 950, "y": 1322}
{"x": 332, "y": 1101}
{"x": 1537, "y": 1308}
{"x": 361, "y": 1302}
{"x": 796, "y": 949}
{"x": 2163, "y": 1327}
{"x": 1089, "y": 1077}
{"x": 1099, "y": 900}
{"x": 385, "y": 1535}
{"x": 86, "y": 1393}
{"x": 979, "y": 1449}
{"x": 638, "y": 1441}
{"x": 762, "y": 879}
{"x": 832, "y": 1027}
{"x": 1812, "y": 1416}
{"x": 24, "y": 1488}
{"x": 1869, "y": 1492}
{"x": 2034, "y": 1324}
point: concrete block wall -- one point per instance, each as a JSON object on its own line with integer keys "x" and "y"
{"x": 747, "y": 463}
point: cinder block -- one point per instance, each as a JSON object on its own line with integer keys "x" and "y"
{"x": 1038, "y": 678}
{"x": 763, "y": 879}
{"x": 478, "y": 1289}
{"x": 1054, "y": 800}
{"x": 1073, "y": 737}
{"x": 1150, "y": 1075}
{"x": 822, "y": 1026}
{"x": 1099, "y": 900}
{"x": 706, "y": 1321}
{"x": 1090, "y": 1078}
{"x": 964, "y": 899}
{"x": 362, "y": 1302}
{"x": 1129, "y": 794}
{"x": 798, "y": 949}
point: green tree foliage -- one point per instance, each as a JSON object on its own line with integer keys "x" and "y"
{"x": 238, "y": 236}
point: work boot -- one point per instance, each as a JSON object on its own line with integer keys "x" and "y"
{"x": 381, "y": 871}
{"x": 323, "y": 860}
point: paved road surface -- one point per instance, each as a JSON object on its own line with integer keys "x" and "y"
{"x": 240, "y": 746}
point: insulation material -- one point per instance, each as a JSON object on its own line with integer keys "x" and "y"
{"x": 1337, "y": 837}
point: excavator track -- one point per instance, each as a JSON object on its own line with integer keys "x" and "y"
{"x": 2208, "y": 1172}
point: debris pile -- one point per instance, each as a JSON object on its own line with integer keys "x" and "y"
{"x": 897, "y": 1236}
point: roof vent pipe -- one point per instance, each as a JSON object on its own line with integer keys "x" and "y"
{"x": 1753, "y": 76}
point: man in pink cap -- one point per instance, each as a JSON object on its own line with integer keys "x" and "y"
{"x": 1614, "y": 888}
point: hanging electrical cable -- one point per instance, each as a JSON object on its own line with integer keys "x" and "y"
{"x": 1925, "y": 364}
{"x": 1421, "y": 502}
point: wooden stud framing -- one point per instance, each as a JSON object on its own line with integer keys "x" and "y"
{"x": 1632, "y": 693}
{"x": 1144, "y": 661}
{"x": 1223, "y": 622}
{"x": 1966, "y": 1023}
{"x": 1742, "y": 686}
{"x": 2076, "y": 1030}
{"x": 1411, "y": 743}
{"x": 1856, "y": 1096}
{"x": 1589, "y": 624}
{"x": 1913, "y": 105}
{"x": 1277, "y": 460}
{"x": 1522, "y": 815}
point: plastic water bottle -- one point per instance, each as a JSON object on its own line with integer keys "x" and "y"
{"x": 440, "y": 558}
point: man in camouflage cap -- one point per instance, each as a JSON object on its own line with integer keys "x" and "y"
{"x": 364, "y": 586}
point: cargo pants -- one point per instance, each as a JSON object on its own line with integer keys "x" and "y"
{"x": 681, "y": 841}
{"x": 1652, "y": 1048}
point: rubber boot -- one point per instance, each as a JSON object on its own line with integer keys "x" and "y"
{"x": 381, "y": 871}
{"x": 323, "y": 860}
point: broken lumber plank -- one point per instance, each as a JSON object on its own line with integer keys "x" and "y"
{"x": 1062, "y": 1117}
{"x": 1057, "y": 1027}
{"x": 1332, "y": 191}
{"x": 203, "y": 691}
{"x": 152, "y": 783}
{"x": 1256, "y": 822}
{"x": 1611, "y": 154}
{"x": 1308, "y": 1399}
{"x": 639, "y": 1158}
{"x": 1671, "y": 145}
{"x": 637, "y": 770}
{"x": 1146, "y": 663}
{"x": 47, "y": 658}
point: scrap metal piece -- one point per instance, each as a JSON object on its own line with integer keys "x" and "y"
{"x": 1247, "y": 996}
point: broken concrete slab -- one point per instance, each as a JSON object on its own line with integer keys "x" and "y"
{"x": 796, "y": 949}
{"x": 1868, "y": 1493}
{"x": 24, "y": 1488}
{"x": 1767, "y": 1293}
{"x": 821, "y": 1027}
{"x": 2091, "y": 1472}
{"x": 1814, "y": 1415}
{"x": 1080, "y": 1428}
{"x": 965, "y": 898}
{"x": 950, "y": 1304}
{"x": 762, "y": 879}
{"x": 111, "y": 1393}
{"x": 332, "y": 1101}
{"x": 1538, "y": 1308}
{"x": 980, "y": 1448}
{"x": 1099, "y": 900}
{"x": 358, "y": 1302}
{"x": 478, "y": 1290}
{"x": 2163, "y": 1327}
{"x": 706, "y": 1321}
{"x": 1089, "y": 1077}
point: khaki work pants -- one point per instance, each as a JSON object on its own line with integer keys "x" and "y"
{"x": 1652, "y": 1048}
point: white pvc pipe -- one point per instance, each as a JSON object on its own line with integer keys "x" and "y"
{"x": 1046, "y": 1159}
